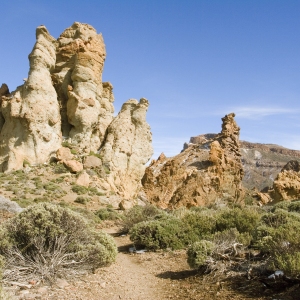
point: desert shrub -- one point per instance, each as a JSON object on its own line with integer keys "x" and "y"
{"x": 82, "y": 200}
{"x": 294, "y": 206}
{"x": 60, "y": 169}
{"x": 198, "y": 252}
{"x": 289, "y": 263}
{"x": 243, "y": 219}
{"x": 79, "y": 189}
{"x": 228, "y": 240}
{"x": 281, "y": 205}
{"x": 200, "y": 223}
{"x": 139, "y": 214}
{"x": 108, "y": 213}
{"x": 278, "y": 235}
{"x": 165, "y": 232}
{"x": 49, "y": 240}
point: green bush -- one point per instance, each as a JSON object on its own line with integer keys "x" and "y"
{"x": 80, "y": 190}
{"x": 278, "y": 235}
{"x": 82, "y": 200}
{"x": 198, "y": 253}
{"x": 139, "y": 214}
{"x": 243, "y": 219}
{"x": 47, "y": 239}
{"x": 167, "y": 232}
{"x": 108, "y": 213}
{"x": 200, "y": 223}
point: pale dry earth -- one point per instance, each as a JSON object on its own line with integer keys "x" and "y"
{"x": 153, "y": 276}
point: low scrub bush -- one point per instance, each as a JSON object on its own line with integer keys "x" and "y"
{"x": 200, "y": 223}
{"x": 139, "y": 214}
{"x": 278, "y": 236}
{"x": 82, "y": 200}
{"x": 243, "y": 219}
{"x": 49, "y": 241}
{"x": 165, "y": 232}
{"x": 79, "y": 189}
{"x": 108, "y": 213}
{"x": 198, "y": 253}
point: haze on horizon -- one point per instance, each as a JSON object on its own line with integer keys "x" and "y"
{"x": 194, "y": 60}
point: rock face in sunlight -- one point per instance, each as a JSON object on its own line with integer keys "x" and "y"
{"x": 287, "y": 183}
{"x": 128, "y": 147}
{"x": 199, "y": 175}
{"x": 261, "y": 162}
{"x": 64, "y": 102}
{"x": 31, "y": 127}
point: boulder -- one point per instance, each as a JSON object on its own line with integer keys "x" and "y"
{"x": 73, "y": 166}
{"x": 126, "y": 204}
{"x": 64, "y": 153}
{"x": 92, "y": 162}
{"x": 287, "y": 183}
{"x": 83, "y": 179}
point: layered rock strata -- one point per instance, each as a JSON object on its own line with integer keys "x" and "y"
{"x": 65, "y": 102}
{"x": 198, "y": 175}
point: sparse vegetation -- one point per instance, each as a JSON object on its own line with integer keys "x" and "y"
{"x": 139, "y": 214}
{"x": 108, "y": 213}
{"x": 82, "y": 200}
{"x": 50, "y": 240}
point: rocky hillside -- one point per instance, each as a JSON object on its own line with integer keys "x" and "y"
{"x": 261, "y": 162}
{"x": 198, "y": 175}
{"x": 64, "y": 102}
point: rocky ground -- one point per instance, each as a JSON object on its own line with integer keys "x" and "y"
{"x": 150, "y": 276}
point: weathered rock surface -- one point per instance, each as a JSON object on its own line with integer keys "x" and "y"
{"x": 80, "y": 56}
{"x": 261, "y": 162}
{"x": 92, "y": 162}
{"x": 287, "y": 183}
{"x": 198, "y": 175}
{"x": 64, "y": 153}
{"x": 32, "y": 126}
{"x": 73, "y": 165}
{"x": 128, "y": 147}
{"x": 64, "y": 99}
{"x": 83, "y": 179}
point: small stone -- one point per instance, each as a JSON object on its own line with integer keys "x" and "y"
{"x": 62, "y": 283}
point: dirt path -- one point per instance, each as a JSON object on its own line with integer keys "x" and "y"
{"x": 128, "y": 278}
{"x": 150, "y": 276}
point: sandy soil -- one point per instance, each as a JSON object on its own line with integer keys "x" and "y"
{"x": 154, "y": 276}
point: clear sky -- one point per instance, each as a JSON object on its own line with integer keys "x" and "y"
{"x": 194, "y": 60}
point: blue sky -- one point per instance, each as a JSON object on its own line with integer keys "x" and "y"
{"x": 194, "y": 60}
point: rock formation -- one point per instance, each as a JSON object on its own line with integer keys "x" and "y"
{"x": 128, "y": 147}
{"x": 64, "y": 102}
{"x": 287, "y": 183}
{"x": 261, "y": 162}
{"x": 198, "y": 175}
{"x": 32, "y": 126}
